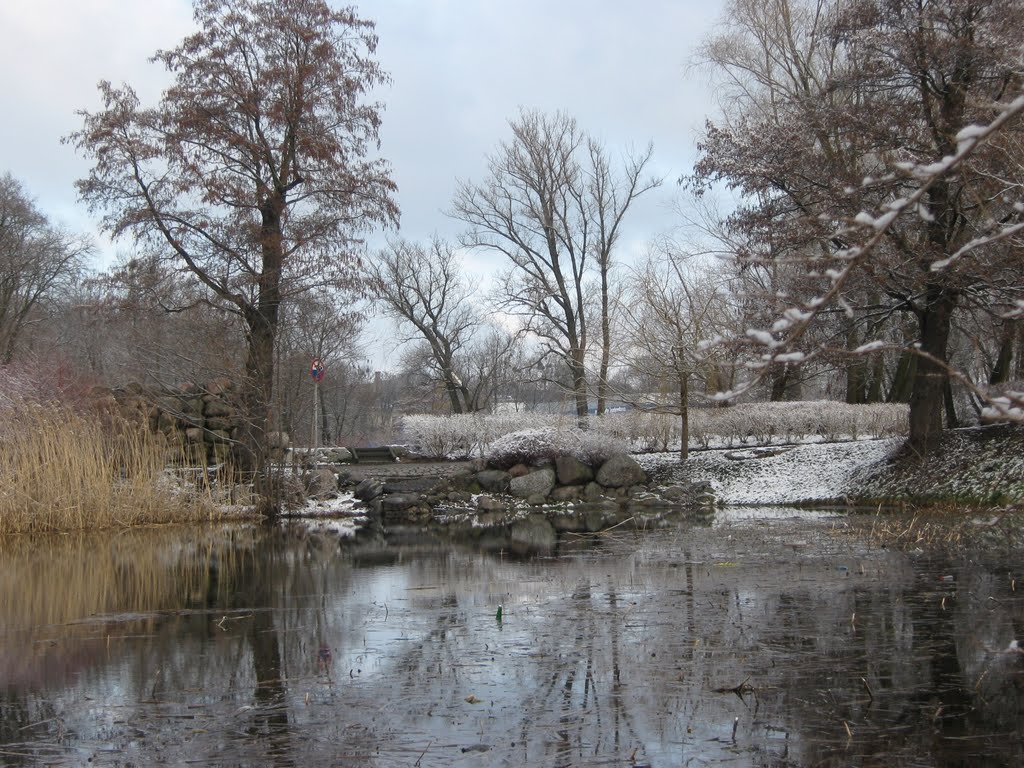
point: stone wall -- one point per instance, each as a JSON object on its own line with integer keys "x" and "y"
{"x": 202, "y": 419}
{"x": 525, "y": 507}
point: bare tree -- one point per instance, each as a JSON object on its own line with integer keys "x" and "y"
{"x": 254, "y": 172}
{"x": 836, "y": 136}
{"x": 674, "y": 310}
{"x": 423, "y": 287}
{"x": 552, "y": 206}
{"x": 319, "y": 325}
{"x": 38, "y": 261}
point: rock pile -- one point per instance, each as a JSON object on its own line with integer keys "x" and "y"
{"x": 523, "y": 508}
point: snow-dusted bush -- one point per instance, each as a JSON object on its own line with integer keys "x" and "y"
{"x": 465, "y": 435}
{"x": 543, "y": 444}
{"x": 646, "y": 431}
{"x": 437, "y": 437}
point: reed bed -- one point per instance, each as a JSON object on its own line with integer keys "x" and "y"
{"x": 62, "y": 470}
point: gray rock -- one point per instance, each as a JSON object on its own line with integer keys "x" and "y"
{"x": 566, "y": 493}
{"x": 368, "y": 489}
{"x": 337, "y": 455}
{"x": 217, "y": 408}
{"x": 489, "y": 504}
{"x": 493, "y": 480}
{"x": 411, "y": 485}
{"x": 216, "y": 436}
{"x": 397, "y": 502}
{"x": 677, "y": 493}
{"x": 620, "y": 471}
{"x": 220, "y": 423}
{"x": 539, "y": 482}
{"x": 572, "y": 471}
{"x": 321, "y": 484}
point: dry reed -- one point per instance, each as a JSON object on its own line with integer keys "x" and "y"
{"x": 61, "y": 470}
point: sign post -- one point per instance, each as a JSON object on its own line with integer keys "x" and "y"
{"x": 316, "y": 372}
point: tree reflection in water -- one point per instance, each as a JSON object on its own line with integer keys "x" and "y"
{"x": 208, "y": 646}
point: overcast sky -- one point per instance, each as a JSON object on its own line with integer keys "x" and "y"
{"x": 460, "y": 69}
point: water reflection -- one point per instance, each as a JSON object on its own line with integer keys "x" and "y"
{"x": 787, "y": 641}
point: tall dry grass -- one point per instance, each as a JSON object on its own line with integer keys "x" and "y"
{"x": 67, "y": 470}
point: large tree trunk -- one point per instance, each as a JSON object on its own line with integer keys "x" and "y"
{"x": 929, "y": 384}
{"x": 684, "y": 417}
{"x": 258, "y": 387}
{"x": 1001, "y": 370}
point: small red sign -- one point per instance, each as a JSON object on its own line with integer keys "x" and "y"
{"x": 317, "y": 369}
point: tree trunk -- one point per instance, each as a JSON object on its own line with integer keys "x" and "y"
{"x": 453, "y": 396}
{"x": 1004, "y": 358}
{"x": 929, "y": 383}
{"x": 684, "y": 417}
{"x": 874, "y": 392}
{"x": 903, "y": 379}
{"x": 856, "y": 371}
{"x": 261, "y": 335}
{"x": 579, "y": 387}
{"x": 606, "y": 343}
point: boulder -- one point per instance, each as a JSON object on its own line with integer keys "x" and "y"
{"x": 220, "y": 423}
{"x": 539, "y": 482}
{"x": 368, "y": 489}
{"x": 572, "y": 471}
{"x": 493, "y": 480}
{"x": 619, "y": 471}
{"x": 217, "y": 409}
{"x": 398, "y": 502}
{"x": 566, "y": 493}
{"x": 679, "y": 493}
{"x": 321, "y": 484}
{"x": 489, "y": 504}
{"x": 336, "y": 455}
{"x": 216, "y": 436}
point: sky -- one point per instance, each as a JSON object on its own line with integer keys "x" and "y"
{"x": 460, "y": 70}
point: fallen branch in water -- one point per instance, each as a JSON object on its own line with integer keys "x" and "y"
{"x": 739, "y": 690}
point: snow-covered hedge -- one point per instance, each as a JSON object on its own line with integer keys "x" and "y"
{"x": 746, "y": 424}
{"x": 540, "y": 444}
{"x": 466, "y": 435}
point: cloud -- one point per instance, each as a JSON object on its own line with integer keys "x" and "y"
{"x": 460, "y": 70}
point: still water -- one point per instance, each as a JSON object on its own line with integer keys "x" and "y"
{"x": 754, "y": 638}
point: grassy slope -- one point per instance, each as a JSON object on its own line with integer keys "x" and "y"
{"x": 979, "y": 465}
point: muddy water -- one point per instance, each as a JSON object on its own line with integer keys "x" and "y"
{"x": 765, "y": 638}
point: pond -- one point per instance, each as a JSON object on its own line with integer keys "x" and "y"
{"x": 747, "y": 638}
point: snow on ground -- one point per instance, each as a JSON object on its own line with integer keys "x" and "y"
{"x": 823, "y": 472}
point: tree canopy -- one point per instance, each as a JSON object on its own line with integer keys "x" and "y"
{"x": 256, "y": 171}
